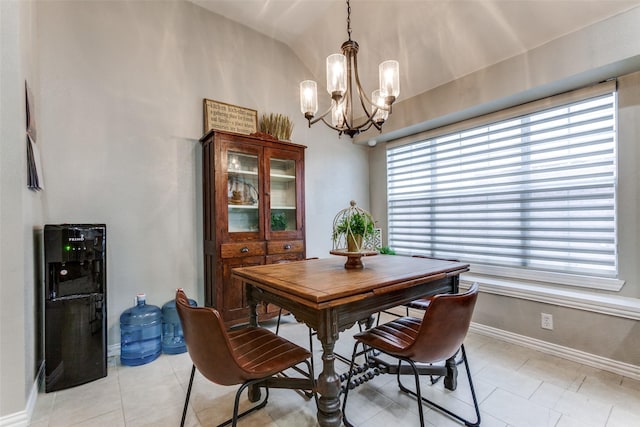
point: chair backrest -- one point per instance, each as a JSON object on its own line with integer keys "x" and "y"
{"x": 208, "y": 343}
{"x": 444, "y": 326}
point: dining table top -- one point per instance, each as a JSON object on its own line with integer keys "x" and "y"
{"x": 325, "y": 282}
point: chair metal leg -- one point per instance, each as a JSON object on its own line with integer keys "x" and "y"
{"x": 186, "y": 400}
{"x": 312, "y": 377}
{"x": 466, "y": 422}
{"x": 311, "y": 347}
{"x": 310, "y": 336}
{"x": 310, "y": 366}
{"x": 418, "y": 392}
{"x": 234, "y": 421}
{"x": 346, "y": 388}
{"x": 279, "y": 317}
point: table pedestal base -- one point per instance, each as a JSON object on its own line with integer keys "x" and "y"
{"x": 354, "y": 259}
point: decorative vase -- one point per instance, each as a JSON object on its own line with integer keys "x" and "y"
{"x": 354, "y": 243}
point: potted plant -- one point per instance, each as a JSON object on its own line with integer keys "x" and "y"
{"x": 278, "y": 221}
{"x": 277, "y": 125}
{"x": 352, "y": 226}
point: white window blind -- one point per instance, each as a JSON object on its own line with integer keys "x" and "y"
{"x": 536, "y": 191}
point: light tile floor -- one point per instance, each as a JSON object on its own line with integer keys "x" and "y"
{"x": 515, "y": 386}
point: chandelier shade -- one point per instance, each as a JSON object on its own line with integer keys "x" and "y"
{"x": 342, "y": 81}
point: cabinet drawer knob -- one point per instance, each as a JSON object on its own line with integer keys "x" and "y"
{"x": 244, "y": 250}
{"x": 287, "y": 247}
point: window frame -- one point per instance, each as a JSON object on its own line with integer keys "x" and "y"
{"x": 522, "y": 274}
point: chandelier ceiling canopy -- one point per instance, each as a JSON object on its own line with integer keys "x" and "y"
{"x": 342, "y": 80}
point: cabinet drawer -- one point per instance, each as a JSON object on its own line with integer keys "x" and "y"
{"x": 284, "y": 246}
{"x": 234, "y": 250}
{"x": 288, "y": 257}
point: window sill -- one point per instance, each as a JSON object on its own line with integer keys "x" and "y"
{"x": 575, "y": 280}
{"x": 612, "y": 305}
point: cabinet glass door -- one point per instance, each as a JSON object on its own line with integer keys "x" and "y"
{"x": 242, "y": 192}
{"x": 282, "y": 179}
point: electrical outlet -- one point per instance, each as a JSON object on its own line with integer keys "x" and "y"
{"x": 546, "y": 321}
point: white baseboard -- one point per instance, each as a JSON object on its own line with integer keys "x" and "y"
{"x": 595, "y": 361}
{"x": 19, "y": 419}
{"x": 113, "y": 350}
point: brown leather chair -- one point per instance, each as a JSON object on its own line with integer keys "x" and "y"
{"x": 435, "y": 338}
{"x": 250, "y": 356}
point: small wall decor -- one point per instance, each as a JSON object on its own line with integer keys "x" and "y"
{"x": 34, "y": 176}
{"x": 277, "y": 125}
{"x": 230, "y": 118}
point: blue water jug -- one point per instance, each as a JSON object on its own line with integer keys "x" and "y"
{"x": 172, "y": 338}
{"x": 140, "y": 333}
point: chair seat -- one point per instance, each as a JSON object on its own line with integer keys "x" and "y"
{"x": 250, "y": 357}
{"x": 261, "y": 353}
{"x": 393, "y": 337}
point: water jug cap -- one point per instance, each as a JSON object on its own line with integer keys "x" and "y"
{"x": 141, "y": 298}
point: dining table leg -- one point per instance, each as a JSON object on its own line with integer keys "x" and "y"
{"x": 329, "y": 413}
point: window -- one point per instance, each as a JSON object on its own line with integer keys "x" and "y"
{"x": 532, "y": 192}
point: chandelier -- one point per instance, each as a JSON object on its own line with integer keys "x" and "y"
{"x": 342, "y": 73}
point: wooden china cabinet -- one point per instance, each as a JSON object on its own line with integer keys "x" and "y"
{"x": 253, "y": 202}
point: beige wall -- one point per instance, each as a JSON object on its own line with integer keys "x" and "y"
{"x": 604, "y": 50}
{"x": 119, "y": 88}
{"x": 121, "y": 118}
{"x": 20, "y": 211}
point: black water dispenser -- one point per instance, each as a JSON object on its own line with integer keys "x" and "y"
{"x": 75, "y": 304}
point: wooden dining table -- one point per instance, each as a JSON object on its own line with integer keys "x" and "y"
{"x": 330, "y": 298}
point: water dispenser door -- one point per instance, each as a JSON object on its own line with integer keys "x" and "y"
{"x": 75, "y": 344}
{"x": 75, "y": 278}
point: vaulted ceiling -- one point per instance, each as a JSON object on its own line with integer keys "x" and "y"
{"x": 436, "y": 41}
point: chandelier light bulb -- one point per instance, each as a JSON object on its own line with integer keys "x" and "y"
{"x": 336, "y": 75}
{"x": 308, "y": 98}
{"x": 389, "y": 73}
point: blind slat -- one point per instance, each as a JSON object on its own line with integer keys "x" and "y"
{"x": 535, "y": 191}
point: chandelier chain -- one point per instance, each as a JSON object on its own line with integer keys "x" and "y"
{"x": 349, "y": 19}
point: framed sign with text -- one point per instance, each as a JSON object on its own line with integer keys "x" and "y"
{"x": 230, "y": 118}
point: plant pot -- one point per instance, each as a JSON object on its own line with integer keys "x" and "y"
{"x": 354, "y": 243}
